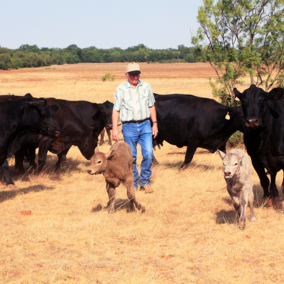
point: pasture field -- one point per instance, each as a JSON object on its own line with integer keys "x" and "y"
{"x": 189, "y": 232}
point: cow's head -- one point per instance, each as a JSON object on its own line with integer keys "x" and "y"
{"x": 231, "y": 163}
{"x": 100, "y": 121}
{"x": 40, "y": 117}
{"x": 99, "y": 162}
{"x": 255, "y": 106}
{"x": 87, "y": 144}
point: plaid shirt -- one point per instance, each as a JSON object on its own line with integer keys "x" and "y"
{"x": 133, "y": 103}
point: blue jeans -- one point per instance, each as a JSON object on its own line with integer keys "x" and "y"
{"x": 140, "y": 133}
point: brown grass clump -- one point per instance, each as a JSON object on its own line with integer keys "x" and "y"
{"x": 189, "y": 233}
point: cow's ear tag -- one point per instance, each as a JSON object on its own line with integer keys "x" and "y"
{"x": 227, "y": 116}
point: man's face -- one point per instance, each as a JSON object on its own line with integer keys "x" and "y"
{"x": 133, "y": 79}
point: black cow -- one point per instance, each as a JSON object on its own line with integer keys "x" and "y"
{"x": 90, "y": 114}
{"x": 19, "y": 117}
{"x": 87, "y": 112}
{"x": 264, "y": 134}
{"x": 186, "y": 120}
{"x": 72, "y": 132}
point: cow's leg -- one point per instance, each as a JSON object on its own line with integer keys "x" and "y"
{"x": 129, "y": 184}
{"x": 243, "y": 200}
{"x": 19, "y": 161}
{"x": 61, "y": 163}
{"x": 111, "y": 196}
{"x": 102, "y": 137}
{"x": 7, "y": 177}
{"x": 273, "y": 187}
{"x": 109, "y": 137}
{"x": 31, "y": 156}
{"x": 235, "y": 199}
{"x": 264, "y": 181}
{"x": 42, "y": 153}
{"x": 282, "y": 186}
{"x": 191, "y": 148}
{"x": 250, "y": 200}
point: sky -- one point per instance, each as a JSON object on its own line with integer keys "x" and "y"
{"x": 158, "y": 24}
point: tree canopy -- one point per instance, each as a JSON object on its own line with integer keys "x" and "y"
{"x": 239, "y": 37}
{"x": 33, "y": 56}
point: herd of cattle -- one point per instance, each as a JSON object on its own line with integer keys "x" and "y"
{"x": 183, "y": 120}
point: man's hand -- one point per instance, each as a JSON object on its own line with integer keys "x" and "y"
{"x": 115, "y": 134}
{"x": 155, "y": 130}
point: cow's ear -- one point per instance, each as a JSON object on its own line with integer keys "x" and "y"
{"x": 97, "y": 151}
{"x": 241, "y": 155}
{"x": 28, "y": 96}
{"x": 275, "y": 94}
{"x": 237, "y": 93}
{"x": 110, "y": 154}
{"x": 222, "y": 154}
{"x": 55, "y": 108}
{"x": 38, "y": 103}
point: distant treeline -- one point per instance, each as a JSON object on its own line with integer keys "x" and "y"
{"x": 33, "y": 56}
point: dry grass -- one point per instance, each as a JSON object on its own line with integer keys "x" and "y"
{"x": 188, "y": 234}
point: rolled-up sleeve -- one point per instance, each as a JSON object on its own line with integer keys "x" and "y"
{"x": 117, "y": 100}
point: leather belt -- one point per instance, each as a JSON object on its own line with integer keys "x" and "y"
{"x": 136, "y": 121}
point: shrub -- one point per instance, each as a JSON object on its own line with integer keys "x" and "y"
{"x": 236, "y": 140}
{"x": 108, "y": 77}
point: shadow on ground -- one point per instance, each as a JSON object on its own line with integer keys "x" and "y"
{"x": 184, "y": 152}
{"x": 10, "y": 194}
{"x": 191, "y": 166}
{"x": 276, "y": 203}
{"x": 229, "y": 217}
{"x": 73, "y": 166}
{"x": 119, "y": 204}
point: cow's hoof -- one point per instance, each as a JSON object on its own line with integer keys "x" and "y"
{"x": 110, "y": 209}
{"x": 143, "y": 209}
{"x": 130, "y": 210}
{"x": 183, "y": 166}
{"x": 242, "y": 226}
{"x": 253, "y": 219}
{"x": 11, "y": 185}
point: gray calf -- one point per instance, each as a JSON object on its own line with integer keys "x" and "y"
{"x": 117, "y": 167}
{"x": 237, "y": 173}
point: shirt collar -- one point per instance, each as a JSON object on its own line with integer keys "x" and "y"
{"x": 129, "y": 86}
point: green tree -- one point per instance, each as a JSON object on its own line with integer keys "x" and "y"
{"x": 72, "y": 47}
{"x": 58, "y": 59}
{"x": 5, "y": 61}
{"x": 239, "y": 37}
{"x": 29, "y": 48}
{"x": 16, "y": 63}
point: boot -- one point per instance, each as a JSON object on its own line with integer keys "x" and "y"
{"x": 147, "y": 188}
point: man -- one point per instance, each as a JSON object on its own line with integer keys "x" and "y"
{"x": 134, "y": 104}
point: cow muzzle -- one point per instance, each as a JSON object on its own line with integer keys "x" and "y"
{"x": 227, "y": 174}
{"x": 252, "y": 122}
